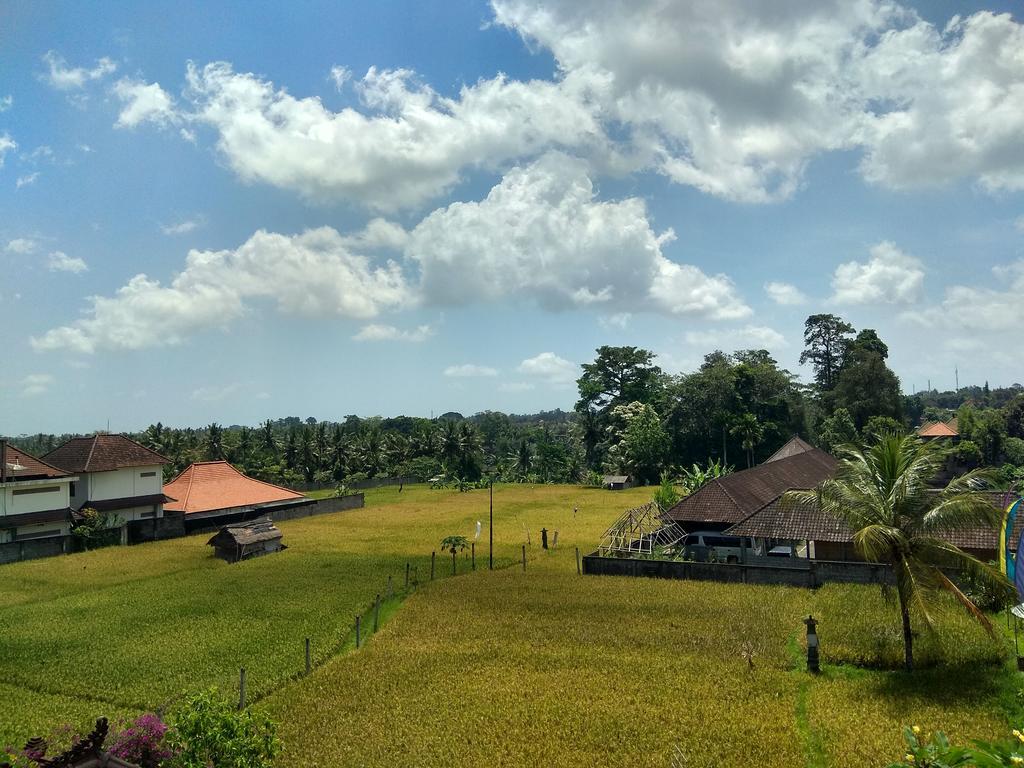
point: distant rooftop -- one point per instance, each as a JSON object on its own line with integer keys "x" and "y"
{"x": 18, "y": 465}
{"x": 102, "y": 453}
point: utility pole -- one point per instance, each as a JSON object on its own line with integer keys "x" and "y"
{"x": 956, "y": 373}
{"x": 490, "y": 530}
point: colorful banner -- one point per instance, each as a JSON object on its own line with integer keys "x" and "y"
{"x": 1007, "y": 563}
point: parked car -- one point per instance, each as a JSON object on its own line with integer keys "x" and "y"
{"x": 718, "y": 546}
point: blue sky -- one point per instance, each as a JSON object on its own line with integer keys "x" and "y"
{"x": 234, "y": 211}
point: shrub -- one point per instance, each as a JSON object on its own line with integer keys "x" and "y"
{"x": 96, "y": 529}
{"x": 141, "y": 742}
{"x": 1013, "y": 449}
{"x": 666, "y": 496}
{"x": 969, "y": 454}
{"x": 207, "y": 730}
{"x": 935, "y": 751}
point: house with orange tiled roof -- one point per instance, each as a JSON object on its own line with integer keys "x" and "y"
{"x": 939, "y": 429}
{"x": 212, "y": 493}
{"x": 115, "y": 475}
{"x": 34, "y": 497}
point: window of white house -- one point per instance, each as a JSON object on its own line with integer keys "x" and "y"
{"x": 147, "y": 474}
{"x": 22, "y": 535}
{"x": 44, "y": 489}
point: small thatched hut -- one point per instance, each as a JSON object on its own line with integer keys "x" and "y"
{"x": 240, "y": 541}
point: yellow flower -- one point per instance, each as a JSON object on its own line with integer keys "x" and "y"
{"x": 1017, "y": 760}
{"x": 909, "y": 758}
{"x": 917, "y": 730}
{"x": 1018, "y": 734}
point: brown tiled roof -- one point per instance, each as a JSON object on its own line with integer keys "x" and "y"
{"x": 781, "y": 519}
{"x": 936, "y": 429}
{"x": 207, "y": 486}
{"x": 734, "y": 497}
{"x": 19, "y": 465}
{"x": 102, "y": 453}
{"x": 32, "y": 518}
{"x": 127, "y": 502}
{"x": 795, "y": 446}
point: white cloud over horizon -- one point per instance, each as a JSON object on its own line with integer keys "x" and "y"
{"x": 381, "y": 332}
{"x": 67, "y": 78}
{"x": 732, "y": 339}
{"x": 890, "y": 276}
{"x": 59, "y": 261}
{"x": 470, "y": 371}
{"x": 550, "y": 369}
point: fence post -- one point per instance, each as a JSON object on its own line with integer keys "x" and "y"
{"x": 524, "y": 557}
{"x": 472, "y": 549}
{"x": 376, "y": 614}
{"x": 357, "y": 632}
{"x": 433, "y": 556}
{"x": 309, "y": 661}
{"x": 578, "y": 570}
{"x": 241, "y": 688}
{"x": 407, "y": 576}
{"x": 453, "y": 562}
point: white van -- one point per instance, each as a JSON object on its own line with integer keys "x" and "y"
{"x": 717, "y": 546}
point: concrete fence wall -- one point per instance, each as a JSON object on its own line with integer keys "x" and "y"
{"x": 322, "y": 507}
{"x": 793, "y": 572}
{"x": 170, "y": 526}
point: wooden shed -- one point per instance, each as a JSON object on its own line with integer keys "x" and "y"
{"x": 240, "y": 541}
{"x": 617, "y": 482}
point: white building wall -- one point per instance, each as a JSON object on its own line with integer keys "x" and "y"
{"x": 120, "y": 484}
{"x": 46, "y": 494}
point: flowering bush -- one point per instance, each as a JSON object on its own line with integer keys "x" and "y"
{"x": 142, "y": 742}
{"x": 935, "y": 751}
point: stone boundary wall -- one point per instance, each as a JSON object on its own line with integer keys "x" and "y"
{"x": 321, "y": 507}
{"x": 808, "y": 573}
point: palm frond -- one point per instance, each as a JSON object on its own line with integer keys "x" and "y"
{"x": 965, "y": 601}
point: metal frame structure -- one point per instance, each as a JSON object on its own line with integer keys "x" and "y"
{"x": 640, "y": 532}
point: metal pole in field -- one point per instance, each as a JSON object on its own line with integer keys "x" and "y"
{"x": 432, "y": 556}
{"x": 241, "y": 688}
{"x": 309, "y": 661}
{"x": 391, "y": 592}
{"x": 407, "y": 576}
{"x": 357, "y": 631}
{"x": 490, "y": 530}
{"x": 578, "y": 571}
{"x": 472, "y": 549}
{"x": 376, "y": 614}
{"x": 524, "y": 557}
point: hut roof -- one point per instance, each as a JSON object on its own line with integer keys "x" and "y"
{"x": 937, "y": 429}
{"x": 616, "y": 479}
{"x": 19, "y": 465}
{"x": 207, "y": 486}
{"x": 793, "y": 447}
{"x": 252, "y": 532}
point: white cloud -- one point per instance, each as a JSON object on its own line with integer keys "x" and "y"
{"x": 379, "y": 233}
{"x": 379, "y": 332}
{"x": 36, "y": 384}
{"x": 312, "y": 274}
{"x": 988, "y": 312}
{"x": 550, "y": 368}
{"x": 1019, "y": 223}
{"x": 339, "y": 76}
{"x": 183, "y": 227}
{"x": 6, "y": 103}
{"x": 144, "y": 102}
{"x": 953, "y": 104}
{"x": 65, "y": 78}
{"x": 469, "y": 370}
{"x": 214, "y": 394}
{"x": 748, "y": 337}
{"x": 61, "y": 262}
{"x": 785, "y": 294}
{"x": 541, "y": 234}
{"x": 7, "y": 144}
{"x": 890, "y": 276}
{"x": 22, "y": 246}
{"x": 407, "y": 145}
{"x": 28, "y": 178}
{"x": 618, "y": 320}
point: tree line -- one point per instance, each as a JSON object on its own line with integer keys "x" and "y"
{"x": 631, "y": 417}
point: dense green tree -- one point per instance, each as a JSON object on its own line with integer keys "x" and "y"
{"x": 866, "y": 387}
{"x": 826, "y": 342}
{"x": 618, "y": 375}
{"x": 213, "y": 445}
{"x": 836, "y": 430}
{"x": 750, "y": 432}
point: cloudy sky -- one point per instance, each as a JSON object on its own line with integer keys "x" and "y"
{"x": 233, "y": 211}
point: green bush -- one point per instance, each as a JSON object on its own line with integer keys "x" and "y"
{"x": 208, "y": 731}
{"x": 1013, "y": 449}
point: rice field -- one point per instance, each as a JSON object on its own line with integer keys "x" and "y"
{"x": 505, "y": 668}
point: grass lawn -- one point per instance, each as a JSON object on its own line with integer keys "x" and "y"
{"x": 504, "y": 668}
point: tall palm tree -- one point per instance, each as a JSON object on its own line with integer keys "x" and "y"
{"x": 882, "y": 493}
{"x": 750, "y": 432}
